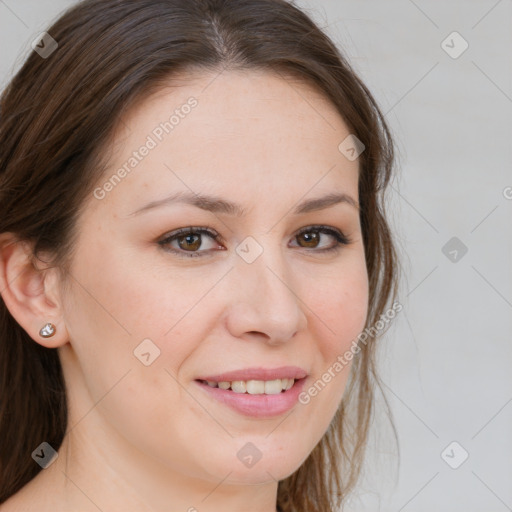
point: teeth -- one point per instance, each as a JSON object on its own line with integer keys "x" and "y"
{"x": 255, "y": 387}
{"x": 238, "y": 386}
{"x": 273, "y": 387}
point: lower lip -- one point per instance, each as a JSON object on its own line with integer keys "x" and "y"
{"x": 257, "y": 406}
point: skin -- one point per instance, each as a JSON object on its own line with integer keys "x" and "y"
{"x": 146, "y": 438}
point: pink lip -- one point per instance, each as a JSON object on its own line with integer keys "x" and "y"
{"x": 256, "y": 406}
{"x": 283, "y": 372}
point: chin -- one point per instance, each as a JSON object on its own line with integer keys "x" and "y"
{"x": 261, "y": 472}
{"x": 257, "y": 476}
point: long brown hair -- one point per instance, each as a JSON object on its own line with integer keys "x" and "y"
{"x": 57, "y": 117}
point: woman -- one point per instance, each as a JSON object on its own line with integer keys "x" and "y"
{"x": 193, "y": 242}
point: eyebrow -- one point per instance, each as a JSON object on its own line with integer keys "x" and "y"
{"x": 218, "y": 205}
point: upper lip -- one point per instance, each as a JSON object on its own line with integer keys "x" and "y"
{"x": 283, "y": 372}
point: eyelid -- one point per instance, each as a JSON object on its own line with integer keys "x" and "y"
{"x": 191, "y": 229}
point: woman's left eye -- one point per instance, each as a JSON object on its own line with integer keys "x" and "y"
{"x": 311, "y": 236}
{"x": 189, "y": 240}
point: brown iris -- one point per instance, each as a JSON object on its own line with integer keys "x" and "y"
{"x": 310, "y": 238}
{"x": 193, "y": 245}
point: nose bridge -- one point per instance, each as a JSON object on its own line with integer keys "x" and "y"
{"x": 266, "y": 288}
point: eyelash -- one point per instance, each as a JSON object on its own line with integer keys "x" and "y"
{"x": 340, "y": 238}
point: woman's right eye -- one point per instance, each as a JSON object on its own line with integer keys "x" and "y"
{"x": 188, "y": 240}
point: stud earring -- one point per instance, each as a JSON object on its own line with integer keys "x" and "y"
{"x": 47, "y": 330}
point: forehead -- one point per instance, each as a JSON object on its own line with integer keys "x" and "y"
{"x": 236, "y": 131}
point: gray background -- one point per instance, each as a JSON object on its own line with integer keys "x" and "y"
{"x": 446, "y": 359}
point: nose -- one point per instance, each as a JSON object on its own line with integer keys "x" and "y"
{"x": 265, "y": 302}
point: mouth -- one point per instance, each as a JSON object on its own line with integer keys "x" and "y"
{"x": 253, "y": 387}
{"x": 254, "y": 398}
{"x": 257, "y": 391}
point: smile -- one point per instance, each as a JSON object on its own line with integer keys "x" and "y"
{"x": 251, "y": 398}
{"x": 254, "y": 387}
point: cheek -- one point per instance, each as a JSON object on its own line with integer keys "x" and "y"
{"x": 339, "y": 316}
{"x": 112, "y": 306}
{"x": 339, "y": 308}
{"x": 127, "y": 297}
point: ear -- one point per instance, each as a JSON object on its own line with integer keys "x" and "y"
{"x": 30, "y": 291}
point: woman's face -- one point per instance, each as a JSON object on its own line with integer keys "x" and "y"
{"x": 148, "y": 318}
